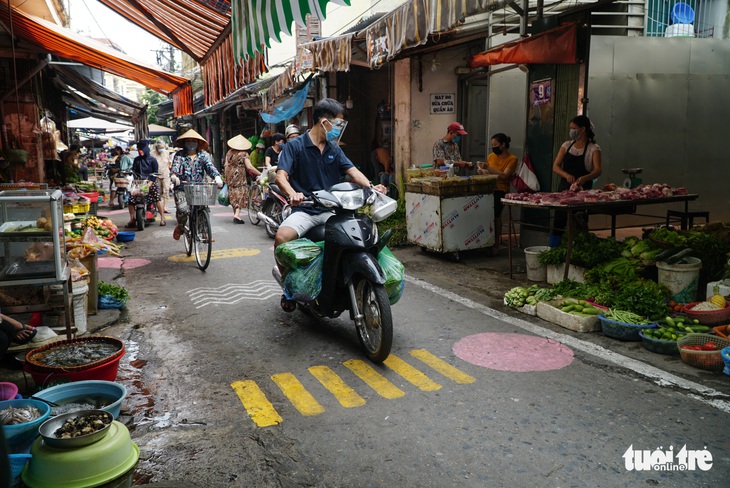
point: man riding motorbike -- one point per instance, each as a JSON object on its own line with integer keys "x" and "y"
{"x": 190, "y": 164}
{"x": 314, "y": 162}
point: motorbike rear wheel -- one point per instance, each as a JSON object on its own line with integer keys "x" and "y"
{"x": 376, "y": 332}
{"x": 273, "y": 210}
{"x": 122, "y": 198}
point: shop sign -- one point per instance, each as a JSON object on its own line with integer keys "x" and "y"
{"x": 442, "y": 103}
{"x": 542, "y": 92}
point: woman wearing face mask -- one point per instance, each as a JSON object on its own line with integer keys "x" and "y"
{"x": 502, "y": 163}
{"x": 190, "y": 164}
{"x": 578, "y": 163}
{"x": 271, "y": 156}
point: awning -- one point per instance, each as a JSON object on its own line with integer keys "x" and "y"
{"x": 94, "y": 124}
{"x": 161, "y": 130}
{"x": 333, "y": 54}
{"x": 255, "y": 22}
{"x": 190, "y": 26}
{"x": 554, "y": 46}
{"x": 67, "y": 44}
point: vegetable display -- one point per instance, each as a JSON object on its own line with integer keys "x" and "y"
{"x": 520, "y": 296}
{"x": 625, "y": 317}
{"x": 115, "y": 291}
{"x": 674, "y": 328}
{"x": 580, "y": 308}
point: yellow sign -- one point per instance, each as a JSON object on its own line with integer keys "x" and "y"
{"x": 217, "y": 254}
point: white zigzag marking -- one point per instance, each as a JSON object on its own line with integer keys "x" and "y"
{"x": 231, "y": 293}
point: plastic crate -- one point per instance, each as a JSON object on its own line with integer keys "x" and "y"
{"x": 77, "y": 208}
{"x": 622, "y": 330}
{"x": 201, "y": 193}
{"x": 658, "y": 346}
{"x": 710, "y": 360}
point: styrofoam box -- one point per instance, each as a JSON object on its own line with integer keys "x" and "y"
{"x": 549, "y": 311}
{"x": 555, "y": 273}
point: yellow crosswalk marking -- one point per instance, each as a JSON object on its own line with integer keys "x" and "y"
{"x": 411, "y": 374}
{"x": 294, "y": 390}
{"x": 442, "y": 367}
{"x": 347, "y": 397}
{"x": 373, "y": 379}
{"x": 217, "y": 254}
{"x": 260, "y": 410}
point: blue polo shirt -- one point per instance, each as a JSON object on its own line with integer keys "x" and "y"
{"x": 309, "y": 169}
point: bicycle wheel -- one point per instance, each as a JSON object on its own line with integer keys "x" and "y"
{"x": 188, "y": 235}
{"x": 255, "y": 200}
{"x": 203, "y": 238}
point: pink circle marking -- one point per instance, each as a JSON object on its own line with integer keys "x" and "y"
{"x": 513, "y": 352}
{"x": 129, "y": 263}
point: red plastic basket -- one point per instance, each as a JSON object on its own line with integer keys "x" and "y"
{"x": 106, "y": 372}
{"x": 711, "y": 360}
{"x": 708, "y": 317}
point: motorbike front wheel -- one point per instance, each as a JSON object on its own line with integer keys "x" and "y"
{"x": 140, "y": 217}
{"x": 376, "y": 331}
{"x": 255, "y": 198}
{"x": 273, "y": 210}
{"x": 122, "y": 199}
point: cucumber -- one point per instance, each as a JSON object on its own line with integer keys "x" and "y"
{"x": 670, "y": 322}
{"x": 677, "y": 257}
{"x": 699, "y": 328}
{"x": 668, "y": 253}
{"x": 568, "y": 308}
{"x": 591, "y": 311}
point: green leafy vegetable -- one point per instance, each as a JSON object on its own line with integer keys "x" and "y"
{"x": 115, "y": 291}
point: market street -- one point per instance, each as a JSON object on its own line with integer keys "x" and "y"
{"x": 225, "y": 389}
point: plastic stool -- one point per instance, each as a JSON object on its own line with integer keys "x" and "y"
{"x": 686, "y": 218}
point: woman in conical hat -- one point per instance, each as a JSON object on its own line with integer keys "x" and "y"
{"x": 239, "y": 172}
{"x": 190, "y": 164}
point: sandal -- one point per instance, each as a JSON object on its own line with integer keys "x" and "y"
{"x": 288, "y": 305}
{"x": 162, "y": 223}
{"x": 20, "y": 342}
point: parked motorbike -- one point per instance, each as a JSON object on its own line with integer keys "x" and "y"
{"x": 274, "y": 210}
{"x": 352, "y": 279}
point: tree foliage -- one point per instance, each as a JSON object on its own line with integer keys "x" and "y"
{"x": 152, "y": 99}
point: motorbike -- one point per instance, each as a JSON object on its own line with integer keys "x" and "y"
{"x": 122, "y": 182}
{"x": 144, "y": 211}
{"x": 352, "y": 279}
{"x": 275, "y": 209}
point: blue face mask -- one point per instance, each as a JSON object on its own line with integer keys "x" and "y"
{"x": 336, "y": 130}
{"x": 456, "y": 139}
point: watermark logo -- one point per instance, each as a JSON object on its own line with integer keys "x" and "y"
{"x": 475, "y": 236}
{"x": 667, "y": 460}
{"x": 429, "y": 228}
{"x": 473, "y": 203}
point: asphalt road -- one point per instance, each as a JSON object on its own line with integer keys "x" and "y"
{"x": 228, "y": 390}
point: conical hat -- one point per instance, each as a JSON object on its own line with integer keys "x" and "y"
{"x": 239, "y": 143}
{"x": 191, "y": 134}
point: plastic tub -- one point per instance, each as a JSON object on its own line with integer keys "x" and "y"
{"x": 92, "y": 391}
{"x": 622, "y": 330}
{"x": 107, "y": 372}
{"x": 680, "y": 279}
{"x": 125, "y": 236}
{"x": 535, "y": 270}
{"x": 17, "y": 463}
{"x": 80, "y": 291}
{"x": 20, "y": 436}
{"x": 8, "y": 391}
{"x": 682, "y": 13}
{"x": 105, "y": 462}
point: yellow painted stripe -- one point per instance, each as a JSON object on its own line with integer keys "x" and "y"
{"x": 347, "y": 397}
{"x": 297, "y": 394}
{"x": 373, "y": 379}
{"x": 443, "y": 367}
{"x": 411, "y": 374}
{"x": 261, "y": 411}
{"x": 217, "y": 254}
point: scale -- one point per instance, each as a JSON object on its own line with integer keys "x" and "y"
{"x": 631, "y": 181}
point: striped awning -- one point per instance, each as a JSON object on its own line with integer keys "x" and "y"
{"x": 67, "y": 44}
{"x": 255, "y": 22}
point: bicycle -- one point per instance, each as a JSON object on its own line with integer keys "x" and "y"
{"x": 257, "y": 192}
{"x": 198, "y": 234}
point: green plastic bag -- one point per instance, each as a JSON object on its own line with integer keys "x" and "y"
{"x": 395, "y": 274}
{"x": 297, "y": 254}
{"x": 223, "y": 196}
{"x": 304, "y": 284}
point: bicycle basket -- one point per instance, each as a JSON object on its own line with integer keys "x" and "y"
{"x": 201, "y": 193}
{"x": 141, "y": 187}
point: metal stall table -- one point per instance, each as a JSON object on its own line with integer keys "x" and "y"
{"x": 612, "y": 208}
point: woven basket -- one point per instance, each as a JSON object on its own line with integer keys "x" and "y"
{"x": 201, "y": 193}
{"x": 34, "y": 357}
{"x": 622, "y": 330}
{"x": 710, "y": 360}
{"x": 658, "y": 346}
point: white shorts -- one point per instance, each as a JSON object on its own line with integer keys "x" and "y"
{"x": 302, "y": 221}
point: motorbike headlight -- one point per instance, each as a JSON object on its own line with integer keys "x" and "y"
{"x": 351, "y": 200}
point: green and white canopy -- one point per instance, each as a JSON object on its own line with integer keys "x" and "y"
{"x": 255, "y": 22}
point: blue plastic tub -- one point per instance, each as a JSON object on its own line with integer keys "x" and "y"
{"x": 17, "y": 463}
{"x": 682, "y": 14}
{"x": 125, "y": 236}
{"x": 81, "y": 391}
{"x": 622, "y": 330}
{"x": 21, "y": 436}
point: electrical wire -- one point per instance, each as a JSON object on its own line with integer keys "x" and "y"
{"x": 95, "y": 21}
